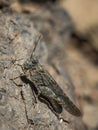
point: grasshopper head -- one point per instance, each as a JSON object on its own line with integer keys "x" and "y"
{"x": 32, "y": 62}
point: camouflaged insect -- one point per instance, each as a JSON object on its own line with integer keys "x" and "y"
{"x": 47, "y": 89}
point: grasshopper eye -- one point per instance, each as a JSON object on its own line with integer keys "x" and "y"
{"x": 34, "y": 60}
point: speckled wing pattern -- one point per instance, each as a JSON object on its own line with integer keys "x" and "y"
{"x": 49, "y": 87}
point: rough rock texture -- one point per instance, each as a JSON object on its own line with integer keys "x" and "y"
{"x": 17, "y": 37}
{"x": 18, "y": 110}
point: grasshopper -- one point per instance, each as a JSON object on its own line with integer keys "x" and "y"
{"x": 46, "y": 88}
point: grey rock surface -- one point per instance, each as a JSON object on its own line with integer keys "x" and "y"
{"x": 18, "y": 109}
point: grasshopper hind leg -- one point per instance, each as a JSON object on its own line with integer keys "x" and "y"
{"x": 54, "y": 105}
{"x": 61, "y": 118}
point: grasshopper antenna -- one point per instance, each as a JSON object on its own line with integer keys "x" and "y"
{"x": 36, "y": 43}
